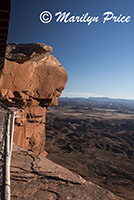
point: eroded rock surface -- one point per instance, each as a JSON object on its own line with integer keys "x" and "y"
{"x": 36, "y": 177}
{"x": 30, "y": 81}
{"x": 31, "y": 76}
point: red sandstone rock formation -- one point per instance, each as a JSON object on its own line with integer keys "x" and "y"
{"x": 30, "y": 81}
{"x": 38, "y": 178}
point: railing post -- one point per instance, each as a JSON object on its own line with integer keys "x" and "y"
{"x": 9, "y": 139}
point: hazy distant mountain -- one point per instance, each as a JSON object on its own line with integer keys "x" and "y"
{"x": 101, "y": 102}
{"x": 101, "y": 99}
{"x": 110, "y": 99}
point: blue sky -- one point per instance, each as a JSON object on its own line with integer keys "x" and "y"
{"x": 99, "y": 58}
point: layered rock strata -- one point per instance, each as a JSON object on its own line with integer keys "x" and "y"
{"x": 31, "y": 80}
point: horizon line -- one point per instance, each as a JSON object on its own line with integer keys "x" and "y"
{"x": 77, "y": 97}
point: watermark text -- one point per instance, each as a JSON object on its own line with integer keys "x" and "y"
{"x": 67, "y": 17}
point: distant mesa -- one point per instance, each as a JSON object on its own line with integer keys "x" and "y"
{"x": 102, "y": 99}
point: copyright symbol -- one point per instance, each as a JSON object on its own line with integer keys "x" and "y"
{"x": 45, "y": 17}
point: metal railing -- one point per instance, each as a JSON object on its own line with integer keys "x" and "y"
{"x": 6, "y": 138}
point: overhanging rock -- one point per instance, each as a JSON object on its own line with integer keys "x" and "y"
{"x": 31, "y": 80}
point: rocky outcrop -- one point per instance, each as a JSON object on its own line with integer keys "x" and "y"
{"x": 31, "y": 76}
{"x": 29, "y": 132}
{"x": 36, "y": 177}
{"x": 30, "y": 81}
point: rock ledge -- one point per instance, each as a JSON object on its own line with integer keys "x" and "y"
{"x": 36, "y": 177}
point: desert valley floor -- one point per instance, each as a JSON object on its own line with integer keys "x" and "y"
{"x": 95, "y": 140}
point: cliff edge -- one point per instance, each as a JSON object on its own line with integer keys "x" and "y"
{"x": 36, "y": 177}
{"x": 30, "y": 81}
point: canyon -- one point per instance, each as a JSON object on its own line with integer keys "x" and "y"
{"x": 94, "y": 138}
{"x": 31, "y": 80}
